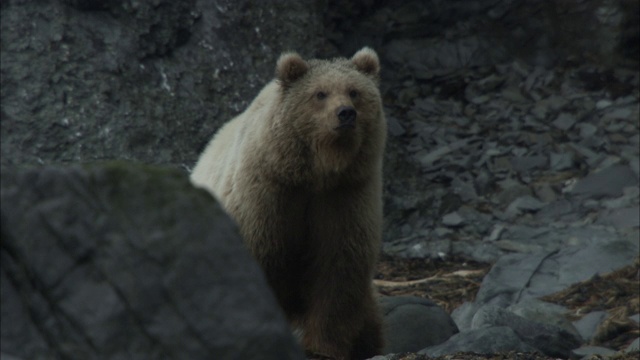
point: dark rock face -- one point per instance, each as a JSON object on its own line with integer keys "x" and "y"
{"x": 125, "y": 262}
{"x": 440, "y": 34}
{"x": 86, "y": 80}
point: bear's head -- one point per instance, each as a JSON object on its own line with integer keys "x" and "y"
{"x": 334, "y": 108}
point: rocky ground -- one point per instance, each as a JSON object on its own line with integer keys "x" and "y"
{"x": 449, "y": 283}
{"x": 527, "y": 189}
{"x": 511, "y": 172}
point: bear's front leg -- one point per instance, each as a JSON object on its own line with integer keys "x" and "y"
{"x": 343, "y": 320}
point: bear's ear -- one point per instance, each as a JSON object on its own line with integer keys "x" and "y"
{"x": 366, "y": 61}
{"x": 290, "y": 68}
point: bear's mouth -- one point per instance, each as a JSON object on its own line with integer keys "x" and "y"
{"x": 345, "y": 127}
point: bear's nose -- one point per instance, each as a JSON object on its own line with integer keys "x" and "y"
{"x": 347, "y": 117}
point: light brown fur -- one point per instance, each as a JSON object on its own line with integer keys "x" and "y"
{"x": 307, "y": 195}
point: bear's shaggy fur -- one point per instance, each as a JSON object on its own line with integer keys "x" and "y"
{"x": 301, "y": 172}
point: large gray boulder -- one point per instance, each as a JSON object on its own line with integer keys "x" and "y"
{"x": 122, "y": 261}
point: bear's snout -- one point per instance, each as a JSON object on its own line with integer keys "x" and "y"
{"x": 346, "y": 117}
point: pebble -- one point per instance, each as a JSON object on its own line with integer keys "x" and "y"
{"x": 602, "y": 104}
{"x": 452, "y": 219}
{"x": 565, "y": 121}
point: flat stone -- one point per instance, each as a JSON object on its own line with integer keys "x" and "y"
{"x": 545, "y": 193}
{"x": 592, "y": 158}
{"x": 606, "y": 182}
{"x": 619, "y": 114}
{"x": 589, "y": 323}
{"x": 452, "y": 219}
{"x": 586, "y": 352}
{"x": 635, "y": 318}
{"x": 564, "y": 121}
{"x": 587, "y": 130}
{"x": 478, "y": 100}
{"x": 545, "y": 313}
{"x": 525, "y": 164}
{"x": 603, "y": 104}
{"x": 562, "y": 161}
{"x": 634, "y": 346}
{"x": 622, "y": 218}
{"x": 608, "y": 161}
{"x": 556, "y": 209}
{"x": 511, "y": 190}
{"x": 522, "y": 204}
{"x": 480, "y": 341}
{"x": 496, "y": 232}
{"x": 549, "y": 339}
{"x": 526, "y": 202}
{"x": 630, "y": 197}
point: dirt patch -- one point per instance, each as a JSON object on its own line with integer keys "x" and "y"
{"x": 449, "y": 283}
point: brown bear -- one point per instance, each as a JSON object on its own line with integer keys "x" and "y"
{"x": 300, "y": 170}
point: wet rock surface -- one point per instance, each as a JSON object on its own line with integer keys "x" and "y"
{"x": 513, "y": 140}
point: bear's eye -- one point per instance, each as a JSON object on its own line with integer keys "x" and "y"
{"x": 353, "y": 94}
{"x": 321, "y": 95}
